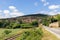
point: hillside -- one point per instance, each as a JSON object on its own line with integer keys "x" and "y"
{"x": 22, "y": 20}
{"x": 35, "y": 16}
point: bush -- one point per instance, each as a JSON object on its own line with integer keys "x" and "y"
{"x": 16, "y": 26}
{"x": 26, "y": 26}
{"x": 53, "y": 20}
{"x": 45, "y": 22}
{"x": 34, "y": 34}
{"x": 7, "y": 31}
{"x": 35, "y": 23}
{"x": 13, "y": 25}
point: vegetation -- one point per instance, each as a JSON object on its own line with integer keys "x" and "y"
{"x": 46, "y": 22}
{"x": 16, "y": 24}
{"x": 7, "y": 32}
{"x": 58, "y": 18}
{"x": 49, "y": 36}
{"x": 32, "y": 34}
{"x": 13, "y": 26}
{"x": 51, "y": 19}
{"x": 35, "y": 23}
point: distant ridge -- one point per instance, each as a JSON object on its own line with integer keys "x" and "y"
{"x": 41, "y": 15}
{"x": 36, "y": 15}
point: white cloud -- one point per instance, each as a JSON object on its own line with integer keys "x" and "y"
{"x": 15, "y": 12}
{"x": 54, "y": 6}
{"x": 0, "y": 11}
{"x": 6, "y": 11}
{"x": 12, "y": 7}
{"x": 3, "y": 16}
{"x": 52, "y": 12}
{"x": 43, "y": 0}
{"x": 45, "y": 3}
{"x": 12, "y": 12}
{"x": 36, "y": 3}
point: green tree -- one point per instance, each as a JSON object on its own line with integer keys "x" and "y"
{"x": 35, "y": 23}
{"x": 58, "y": 18}
{"x": 46, "y": 22}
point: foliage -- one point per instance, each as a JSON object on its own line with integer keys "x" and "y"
{"x": 16, "y": 24}
{"x": 53, "y": 20}
{"x": 46, "y": 22}
{"x": 49, "y": 20}
{"x": 35, "y": 23}
{"x": 13, "y": 32}
{"x": 58, "y": 17}
{"x": 26, "y": 26}
{"x": 1, "y": 24}
{"x": 34, "y": 34}
{"x": 10, "y": 25}
{"x": 7, "y": 31}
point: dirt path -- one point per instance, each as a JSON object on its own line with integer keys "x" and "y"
{"x": 13, "y": 37}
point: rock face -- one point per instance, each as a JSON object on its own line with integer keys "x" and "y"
{"x": 54, "y": 25}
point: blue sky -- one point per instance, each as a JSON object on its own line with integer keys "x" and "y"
{"x": 13, "y": 8}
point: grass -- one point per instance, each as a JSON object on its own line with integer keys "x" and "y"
{"x": 14, "y": 32}
{"x": 31, "y": 34}
{"x": 46, "y": 35}
{"x": 49, "y": 36}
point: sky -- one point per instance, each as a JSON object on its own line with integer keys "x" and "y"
{"x": 14, "y": 8}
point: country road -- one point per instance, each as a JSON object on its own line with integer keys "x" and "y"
{"x": 55, "y": 31}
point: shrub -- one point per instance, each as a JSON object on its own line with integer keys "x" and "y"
{"x": 45, "y": 22}
{"x": 26, "y": 26}
{"x": 35, "y": 23}
{"x": 53, "y": 20}
{"x": 34, "y": 34}
{"x": 16, "y": 26}
{"x": 7, "y": 31}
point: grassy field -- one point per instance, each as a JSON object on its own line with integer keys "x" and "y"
{"x": 13, "y": 32}
{"x": 31, "y": 34}
{"x": 17, "y": 31}
{"x": 49, "y": 36}
{"x": 46, "y": 35}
